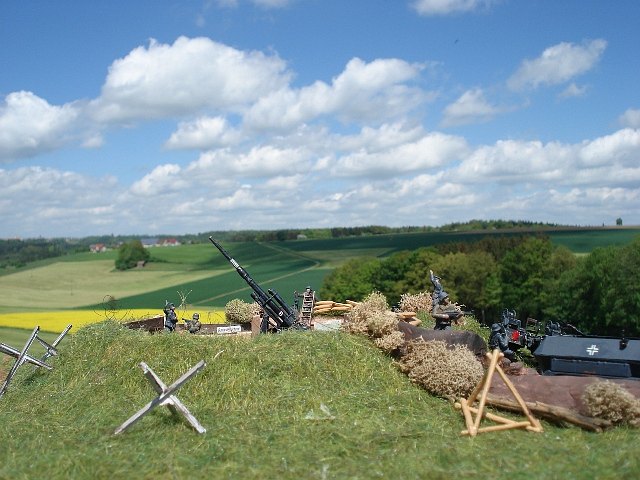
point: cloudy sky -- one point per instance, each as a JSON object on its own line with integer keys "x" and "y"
{"x": 176, "y": 116}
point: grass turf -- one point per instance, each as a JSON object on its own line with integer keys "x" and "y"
{"x": 260, "y": 401}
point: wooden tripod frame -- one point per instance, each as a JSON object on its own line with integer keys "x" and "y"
{"x": 482, "y": 388}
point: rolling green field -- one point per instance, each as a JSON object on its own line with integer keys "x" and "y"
{"x": 260, "y": 400}
{"x": 208, "y": 280}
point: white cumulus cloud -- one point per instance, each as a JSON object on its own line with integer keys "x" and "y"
{"x": 191, "y": 74}
{"x": 470, "y": 107}
{"x": 29, "y": 125}
{"x": 446, "y": 7}
{"x": 363, "y": 91}
{"x": 428, "y": 152}
{"x": 557, "y": 64}
{"x": 203, "y": 133}
{"x": 630, "y": 118}
{"x": 162, "y": 180}
{"x": 259, "y": 162}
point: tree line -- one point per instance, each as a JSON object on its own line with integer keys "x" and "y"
{"x": 16, "y": 253}
{"x": 598, "y": 293}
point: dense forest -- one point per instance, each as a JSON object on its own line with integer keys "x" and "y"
{"x": 599, "y": 293}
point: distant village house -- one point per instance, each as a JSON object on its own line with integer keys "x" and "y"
{"x": 156, "y": 242}
{"x": 97, "y": 248}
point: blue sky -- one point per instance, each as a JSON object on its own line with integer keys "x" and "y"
{"x": 173, "y": 116}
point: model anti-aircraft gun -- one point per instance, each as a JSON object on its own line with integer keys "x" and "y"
{"x": 274, "y": 307}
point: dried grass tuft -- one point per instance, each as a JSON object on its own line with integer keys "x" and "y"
{"x": 449, "y": 372}
{"x": 357, "y": 320}
{"x": 416, "y": 302}
{"x": 391, "y": 342}
{"x": 239, "y": 311}
{"x": 608, "y": 400}
{"x": 382, "y": 323}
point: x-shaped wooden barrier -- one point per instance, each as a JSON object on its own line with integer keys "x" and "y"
{"x": 23, "y": 356}
{"x": 165, "y": 397}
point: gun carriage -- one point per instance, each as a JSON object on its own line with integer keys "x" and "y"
{"x": 277, "y": 315}
{"x": 562, "y": 349}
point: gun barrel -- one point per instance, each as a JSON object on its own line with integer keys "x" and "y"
{"x": 271, "y": 302}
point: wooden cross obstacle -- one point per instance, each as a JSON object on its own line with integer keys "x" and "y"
{"x": 482, "y": 388}
{"x": 22, "y": 356}
{"x": 166, "y": 397}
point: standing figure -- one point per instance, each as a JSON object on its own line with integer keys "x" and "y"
{"x": 170, "y": 317}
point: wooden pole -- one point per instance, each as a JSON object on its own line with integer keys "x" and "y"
{"x": 495, "y": 356}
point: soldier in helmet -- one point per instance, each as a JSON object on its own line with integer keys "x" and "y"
{"x": 442, "y": 310}
{"x": 193, "y": 325}
{"x": 498, "y": 339}
{"x": 170, "y": 317}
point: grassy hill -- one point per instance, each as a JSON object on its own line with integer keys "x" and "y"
{"x": 81, "y": 281}
{"x": 260, "y": 401}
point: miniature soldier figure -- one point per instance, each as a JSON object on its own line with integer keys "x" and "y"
{"x": 498, "y": 339}
{"x": 442, "y": 310}
{"x": 437, "y": 286}
{"x": 170, "y": 317}
{"x": 297, "y": 296}
{"x": 194, "y": 324}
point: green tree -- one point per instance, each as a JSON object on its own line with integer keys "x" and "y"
{"x": 391, "y": 276}
{"x": 467, "y": 278}
{"x": 602, "y": 294}
{"x": 523, "y": 273}
{"x": 129, "y": 254}
{"x": 352, "y": 281}
{"x": 417, "y": 277}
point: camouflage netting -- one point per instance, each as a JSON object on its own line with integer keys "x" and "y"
{"x": 239, "y": 311}
{"x": 444, "y": 371}
{"x": 416, "y": 302}
{"x": 608, "y": 400}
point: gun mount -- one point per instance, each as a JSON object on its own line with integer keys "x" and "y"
{"x": 274, "y": 307}
{"x": 561, "y": 349}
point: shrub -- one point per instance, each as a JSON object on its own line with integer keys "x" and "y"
{"x": 416, "y": 302}
{"x": 390, "y": 342}
{"x": 446, "y": 372}
{"x": 129, "y": 254}
{"x": 239, "y": 311}
{"x": 380, "y": 324}
{"x": 608, "y": 400}
{"x": 357, "y": 320}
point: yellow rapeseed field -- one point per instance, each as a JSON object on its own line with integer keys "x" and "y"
{"x": 56, "y": 321}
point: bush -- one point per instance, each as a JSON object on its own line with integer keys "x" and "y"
{"x": 447, "y": 372}
{"x": 416, "y": 302}
{"x": 608, "y": 400}
{"x": 357, "y": 320}
{"x": 239, "y": 311}
{"x": 129, "y": 254}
